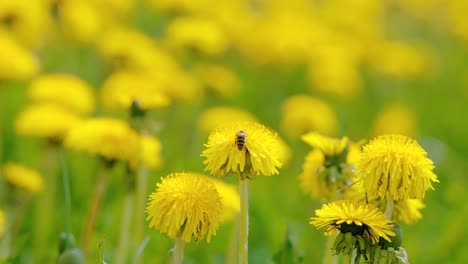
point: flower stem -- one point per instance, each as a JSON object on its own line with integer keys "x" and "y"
{"x": 93, "y": 208}
{"x": 178, "y": 251}
{"x": 122, "y": 249}
{"x": 389, "y": 209}
{"x": 244, "y": 221}
{"x": 232, "y": 245}
{"x": 67, "y": 193}
{"x": 142, "y": 186}
{"x": 328, "y": 257}
{"x": 347, "y": 258}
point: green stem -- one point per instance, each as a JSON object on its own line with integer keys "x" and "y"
{"x": 232, "y": 246}
{"x": 178, "y": 251}
{"x": 244, "y": 221}
{"x": 125, "y": 228}
{"x": 328, "y": 256}
{"x": 67, "y": 193}
{"x": 347, "y": 258}
{"x": 389, "y": 209}
{"x": 142, "y": 186}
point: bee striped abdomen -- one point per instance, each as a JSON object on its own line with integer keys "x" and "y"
{"x": 240, "y": 139}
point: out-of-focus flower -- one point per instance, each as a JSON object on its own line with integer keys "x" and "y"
{"x": 197, "y": 34}
{"x": 45, "y": 120}
{"x": 107, "y": 137}
{"x": 122, "y": 88}
{"x": 395, "y": 167}
{"x": 177, "y": 6}
{"x": 185, "y": 205}
{"x": 214, "y": 117}
{"x": 396, "y": 119}
{"x": 17, "y": 62}
{"x": 150, "y": 152}
{"x": 408, "y": 211}
{"x": 242, "y": 148}
{"x": 302, "y": 113}
{"x": 456, "y": 15}
{"x": 23, "y": 177}
{"x": 29, "y": 21}
{"x": 364, "y": 222}
{"x": 218, "y": 79}
{"x": 62, "y": 89}
{"x": 81, "y": 20}
{"x": 329, "y": 167}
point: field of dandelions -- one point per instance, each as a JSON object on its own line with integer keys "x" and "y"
{"x": 171, "y": 131}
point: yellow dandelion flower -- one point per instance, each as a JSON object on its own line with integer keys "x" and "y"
{"x": 357, "y": 218}
{"x": 408, "y": 211}
{"x": 213, "y": 117}
{"x": 185, "y": 205}
{"x": 284, "y": 151}
{"x": 396, "y": 119}
{"x": 17, "y": 62}
{"x": 242, "y": 147}
{"x": 395, "y": 167}
{"x": 123, "y": 87}
{"x": 202, "y": 35}
{"x": 218, "y": 79}
{"x": 65, "y": 90}
{"x": 23, "y": 177}
{"x": 45, "y": 121}
{"x": 150, "y": 152}
{"x": 297, "y": 120}
{"x": 80, "y": 20}
{"x": 107, "y": 137}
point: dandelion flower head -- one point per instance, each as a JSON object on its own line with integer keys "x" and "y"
{"x": 408, "y": 211}
{"x": 150, "y": 152}
{"x": 258, "y": 155}
{"x": 225, "y": 84}
{"x": 23, "y": 177}
{"x": 395, "y": 167}
{"x": 185, "y": 205}
{"x": 17, "y": 62}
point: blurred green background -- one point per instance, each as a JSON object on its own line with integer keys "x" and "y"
{"x": 436, "y": 92}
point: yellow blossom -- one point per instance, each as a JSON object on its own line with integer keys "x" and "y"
{"x": 199, "y": 34}
{"x": 357, "y": 218}
{"x": 81, "y": 20}
{"x": 107, "y": 137}
{"x": 23, "y": 177}
{"x": 185, "y": 205}
{"x": 303, "y": 113}
{"x": 17, "y": 62}
{"x": 213, "y": 117}
{"x": 258, "y": 155}
{"x": 45, "y": 121}
{"x": 150, "y": 152}
{"x": 396, "y": 119}
{"x": 123, "y": 87}
{"x": 408, "y": 211}
{"x": 395, "y": 167}
{"x": 218, "y": 79}
{"x": 63, "y": 89}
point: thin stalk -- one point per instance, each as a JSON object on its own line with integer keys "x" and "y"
{"x": 231, "y": 256}
{"x": 178, "y": 251}
{"x": 67, "y": 193}
{"x": 244, "y": 221}
{"x": 347, "y": 258}
{"x": 389, "y": 208}
{"x": 328, "y": 257}
{"x": 142, "y": 186}
{"x": 101, "y": 186}
{"x": 122, "y": 249}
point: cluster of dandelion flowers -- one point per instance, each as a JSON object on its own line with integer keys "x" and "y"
{"x": 395, "y": 167}
{"x": 22, "y": 177}
{"x": 185, "y": 205}
{"x": 257, "y": 152}
{"x": 352, "y": 216}
{"x": 110, "y": 138}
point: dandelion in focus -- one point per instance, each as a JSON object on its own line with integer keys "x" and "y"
{"x": 303, "y": 113}
{"x": 22, "y": 177}
{"x": 184, "y": 205}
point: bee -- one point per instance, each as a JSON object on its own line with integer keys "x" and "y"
{"x": 240, "y": 139}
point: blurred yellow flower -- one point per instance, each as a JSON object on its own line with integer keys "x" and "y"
{"x": 218, "y": 79}
{"x": 396, "y": 119}
{"x": 185, "y": 205}
{"x": 408, "y": 211}
{"x": 65, "y": 90}
{"x": 17, "y": 62}
{"x": 45, "y": 120}
{"x": 150, "y": 152}
{"x": 242, "y": 148}
{"x": 351, "y": 216}
{"x": 197, "y": 34}
{"x": 213, "y": 117}
{"x": 107, "y": 137}
{"x": 81, "y": 20}
{"x": 395, "y": 167}
{"x": 123, "y": 87}
{"x": 302, "y": 113}
{"x": 23, "y": 177}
